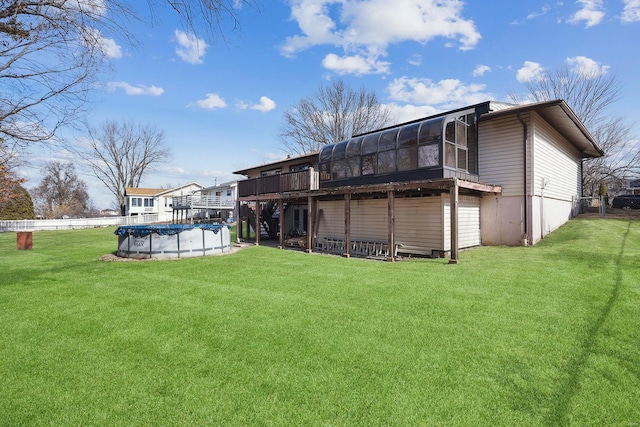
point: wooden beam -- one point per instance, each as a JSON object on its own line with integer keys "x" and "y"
{"x": 257, "y": 224}
{"x": 453, "y": 213}
{"x": 347, "y": 225}
{"x": 238, "y": 222}
{"x": 310, "y": 223}
{"x": 281, "y": 223}
{"x": 391, "y": 216}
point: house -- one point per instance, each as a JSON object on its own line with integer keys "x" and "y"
{"x": 155, "y": 200}
{"x": 215, "y": 203}
{"x": 486, "y": 174}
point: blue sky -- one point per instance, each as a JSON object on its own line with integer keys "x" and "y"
{"x": 221, "y": 102}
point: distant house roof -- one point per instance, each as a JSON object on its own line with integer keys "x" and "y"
{"x": 223, "y": 185}
{"x": 310, "y": 157}
{"x": 134, "y": 191}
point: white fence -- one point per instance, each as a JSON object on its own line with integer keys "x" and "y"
{"x": 76, "y": 223}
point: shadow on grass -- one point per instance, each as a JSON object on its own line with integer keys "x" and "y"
{"x": 568, "y": 390}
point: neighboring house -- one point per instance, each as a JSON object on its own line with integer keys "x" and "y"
{"x": 211, "y": 203}
{"x": 633, "y": 187}
{"x": 155, "y": 200}
{"x": 486, "y": 174}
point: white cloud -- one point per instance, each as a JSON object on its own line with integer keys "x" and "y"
{"x": 543, "y": 11}
{"x": 631, "y": 11}
{"x": 211, "y": 101}
{"x": 586, "y": 66}
{"x": 369, "y": 27}
{"x": 93, "y": 7}
{"x": 109, "y": 47}
{"x": 190, "y": 48}
{"x": 481, "y": 70}
{"x": 355, "y": 64}
{"x": 530, "y": 71}
{"x": 415, "y": 60}
{"x": 135, "y": 90}
{"x": 445, "y": 93}
{"x": 407, "y": 113}
{"x": 265, "y": 105}
{"x": 592, "y": 13}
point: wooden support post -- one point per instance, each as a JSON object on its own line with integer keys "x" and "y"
{"x": 347, "y": 225}
{"x": 453, "y": 213}
{"x": 239, "y": 225}
{"x": 281, "y": 223}
{"x": 310, "y": 223}
{"x": 391, "y": 215}
{"x": 257, "y": 224}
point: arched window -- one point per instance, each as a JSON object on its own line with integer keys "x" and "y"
{"x": 353, "y": 156}
{"x": 429, "y": 142}
{"x": 338, "y": 160}
{"x": 408, "y": 147}
{"x": 387, "y": 151}
{"x": 369, "y": 151}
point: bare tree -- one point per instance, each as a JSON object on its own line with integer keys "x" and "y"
{"x": 52, "y": 51}
{"x": 120, "y": 154}
{"x": 333, "y": 114}
{"x": 8, "y": 180}
{"x": 61, "y": 192}
{"x": 590, "y": 94}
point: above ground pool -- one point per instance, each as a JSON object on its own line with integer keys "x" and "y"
{"x": 172, "y": 240}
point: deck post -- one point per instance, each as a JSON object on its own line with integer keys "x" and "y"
{"x": 281, "y": 223}
{"x": 257, "y": 224}
{"x": 347, "y": 225}
{"x": 238, "y": 222}
{"x": 453, "y": 213}
{"x": 391, "y": 214}
{"x": 310, "y": 223}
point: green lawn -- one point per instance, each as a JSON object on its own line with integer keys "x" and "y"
{"x": 547, "y": 335}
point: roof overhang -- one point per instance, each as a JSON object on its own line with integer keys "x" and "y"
{"x": 559, "y": 115}
{"x": 289, "y": 159}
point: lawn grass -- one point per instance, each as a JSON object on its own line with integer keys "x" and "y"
{"x": 545, "y": 335}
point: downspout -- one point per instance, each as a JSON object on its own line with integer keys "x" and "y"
{"x": 525, "y": 239}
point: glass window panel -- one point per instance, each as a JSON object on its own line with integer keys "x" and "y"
{"x": 430, "y": 131}
{"x": 370, "y": 143}
{"x": 387, "y": 161}
{"x": 325, "y": 153}
{"x": 429, "y": 155}
{"x": 339, "y": 169}
{"x": 339, "y": 150}
{"x": 450, "y": 132}
{"x": 325, "y": 172}
{"x": 461, "y": 133}
{"x": 450, "y": 155}
{"x": 354, "y": 166}
{"x": 471, "y": 119}
{"x": 407, "y": 158}
{"x": 408, "y": 135}
{"x": 462, "y": 159}
{"x": 369, "y": 164}
{"x": 353, "y": 147}
{"x": 388, "y": 140}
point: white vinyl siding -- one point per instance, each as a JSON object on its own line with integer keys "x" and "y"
{"x": 556, "y": 160}
{"x": 468, "y": 222}
{"x": 331, "y": 219}
{"x": 418, "y": 222}
{"x": 369, "y": 220}
{"x": 500, "y": 154}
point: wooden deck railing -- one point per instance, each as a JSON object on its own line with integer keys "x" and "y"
{"x": 281, "y": 183}
{"x": 197, "y": 201}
